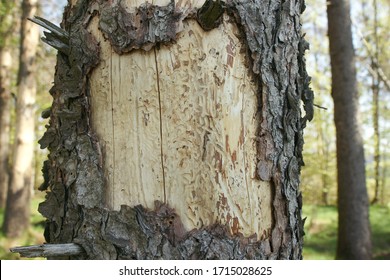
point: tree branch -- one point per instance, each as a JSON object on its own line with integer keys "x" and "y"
{"x": 48, "y": 250}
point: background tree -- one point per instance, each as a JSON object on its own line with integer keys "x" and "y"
{"x": 17, "y": 213}
{"x": 354, "y": 238}
{"x": 7, "y": 25}
{"x": 375, "y": 96}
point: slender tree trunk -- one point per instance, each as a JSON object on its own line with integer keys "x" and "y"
{"x": 176, "y": 130}
{"x": 354, "y": 238}
{"x": 5, "y": 119}
{"x": 18, "y": 202}
{"x": 375, "y": 105}
{"x": 384, "y": 181}
{"x": 7, "y": 27}
{"x": 323, "y": 153}
{"x": 377, "y": 155}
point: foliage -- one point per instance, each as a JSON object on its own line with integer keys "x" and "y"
{"x": 6, "y": 19}
{"x": 319, "y": 173}
{"x": 373, "y": 55}
{"x": 318, "y": 176}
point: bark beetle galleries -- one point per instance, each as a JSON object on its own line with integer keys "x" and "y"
{"x": 74, "y": 205}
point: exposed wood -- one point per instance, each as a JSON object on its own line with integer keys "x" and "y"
{"x": 179, "y": 123}
{"x": 209, "y": 120}
{"x": 48, "y": 250}
{"x": 125, "y": 115}
{"x": 214, "y": 129}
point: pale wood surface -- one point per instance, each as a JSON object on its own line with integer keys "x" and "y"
{"x": 178, "y": 124}
{"x": 48, "y": 250}
{"x": 125, "y": 114}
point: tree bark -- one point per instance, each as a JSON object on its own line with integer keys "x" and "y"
{"x": 5, "y": 119}
{"x": 6, "y": 30}
{"x": 377, "y": 137}
{"x": 17, "y": 215}
{"x": 92, "y": 200}
{"x": 375, "y": 107}
{"x": 354, "y": 238}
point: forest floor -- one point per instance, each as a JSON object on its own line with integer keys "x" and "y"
{"x": 320, "y": 230}
{"x": 33, "y": 236}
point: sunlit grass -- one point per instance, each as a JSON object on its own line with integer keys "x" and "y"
{"x": 321, "y": 232}
{"x": 33, "y": 236}
{"x": 380, "y": 228}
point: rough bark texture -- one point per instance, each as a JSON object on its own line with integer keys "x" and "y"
{"x": 17, "y": 215}
{"x": 354, "y": 230}
{"x": 75, "y": 183}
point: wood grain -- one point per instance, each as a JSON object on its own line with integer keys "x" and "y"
{"x": 178, "y": 124}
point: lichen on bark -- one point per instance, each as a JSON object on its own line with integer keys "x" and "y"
{"x": 74, "y": 180}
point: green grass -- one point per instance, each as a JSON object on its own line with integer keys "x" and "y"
{"x": 320, "y": 229}
{"x": 33, "y": 236}
{"x": 380, "y": 228}
{"x": 321, "y": 232}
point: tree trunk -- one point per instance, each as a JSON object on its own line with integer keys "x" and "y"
{"x": 354, "y": 238}
{"x": 17, "y": 216}
{"x": 377, "y": 138}
{"x": 7, "y": 24}
{"x": 5, "y": 119}
{"x": 176, "y": 130}
{"x": 375, "y": 106}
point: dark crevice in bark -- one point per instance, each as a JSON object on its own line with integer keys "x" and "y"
{"x": 74, "y": 180}
{"x": 209, "y": 16}
{"x": 161, "y": 126}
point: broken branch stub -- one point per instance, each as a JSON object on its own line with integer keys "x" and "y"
{"x": 49, "y": 250}
{"x": 57, "y": 37}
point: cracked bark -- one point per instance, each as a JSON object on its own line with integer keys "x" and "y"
{"x": 76, "y": 182}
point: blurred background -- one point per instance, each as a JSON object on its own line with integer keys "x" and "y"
{"x": 371, "y": 38}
